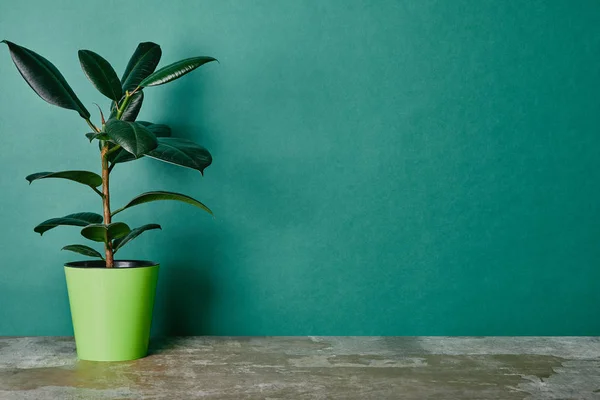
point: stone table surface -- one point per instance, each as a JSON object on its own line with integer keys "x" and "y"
{"x": 504, "y": 368}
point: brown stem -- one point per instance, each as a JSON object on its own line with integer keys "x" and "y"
{"x": 106, "y": 203}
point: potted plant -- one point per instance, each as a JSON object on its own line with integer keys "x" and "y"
{"x": 111, "y": 300}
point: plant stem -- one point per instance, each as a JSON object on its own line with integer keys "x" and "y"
{"x": 108, "y": 250}
{"x": 97, "y": 191}
{"x": 92, "y": 126}
{"x": 113, "y": 149}
{"x": 124, "y": 105}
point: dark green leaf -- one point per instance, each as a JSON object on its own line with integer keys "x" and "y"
{"x": 182, "y": 152}
{"x": 95, "y": 232}
{"x": 134, "y": 107}
{"x": 154, "y": 196}
{"x": 121, "y": 156}
{"x": 87, "y": 178}
{"x": 133, "y": 137}
{"x": 117, "y": 230}
{"x": 104, "y": 233}
{"x": 81, "y": 249}
{"x": 174, "y": 71}
{"x": 118, "y": 243}
{"x": 101, "y": 74}
{"x": 78, "y": 219}
{"x": 93, "y": 135}
{"x": 45, "y": 79}
{"x": 142, "y": 63}
{"x": 159, "y": 130}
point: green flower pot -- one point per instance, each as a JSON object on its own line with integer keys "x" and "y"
{"x": 111, "y": 308}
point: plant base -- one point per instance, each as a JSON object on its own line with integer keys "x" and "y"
{"x": 111, "y": 308}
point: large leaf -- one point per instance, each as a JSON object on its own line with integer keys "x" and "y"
{"x": 142, "y": 63}
{"x": 81, "y": 249}
{"x": 133, "y": 137}
{"x": 175, "y": 70}
{"x": 121, "y": 156}
{"x": 78, "y": 219}
{"x": 101, "y": 74}
{"x": 86, "y": 177}
{"x": 159, "y": 130}
{"x": 45, "y": 79}
{"x": 105, "y": 233}
{"x": 160, "y": 195}
{"x": 117, "y": 244}
{"x": 182, "y": 152}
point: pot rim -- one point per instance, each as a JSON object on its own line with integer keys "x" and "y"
{"x": 119, "y": 264}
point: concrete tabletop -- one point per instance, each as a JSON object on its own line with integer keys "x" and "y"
{"x": 504, "y": 368}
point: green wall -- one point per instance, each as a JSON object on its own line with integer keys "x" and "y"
{"x": 381, "y": 167}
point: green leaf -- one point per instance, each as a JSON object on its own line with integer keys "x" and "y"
{"x": 160, "y": 195}
{"x": 45, "y": 79}
{"x": 159, "y": 130}
{"x": 104, "y": 233}
{"x": 133, "y": 137}
{"x": 134, "y": 107}
{"x": 175, "y": 70}
{"x": 117, "y": 244}
{"x": 93, "y": 135}
{"x": 122, "y": 156}
{"x": 78, "y": 219}
{"x": 81, "y": 249}
{"x": 142, "y": 63}
{"x": 86, "y": 177}
{"x": 101, "y": 74}
{"x": 182, "y": 152}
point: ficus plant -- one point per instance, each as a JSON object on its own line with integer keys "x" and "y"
{"x": 121, "y": 138}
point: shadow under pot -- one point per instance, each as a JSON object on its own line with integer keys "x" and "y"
{"x": 111, "y": 308}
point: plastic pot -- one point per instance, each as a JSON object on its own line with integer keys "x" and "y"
{"x": 111, "y": 308}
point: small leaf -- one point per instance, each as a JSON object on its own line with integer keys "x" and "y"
{"x": 118, "y": 243}
{"x": 142, "y": 63}
{"x": 133, "y": 137}
{"x": 104, "y": 233}
{"x": 45, "y": 79}
{"x": 95, "y": 232}
{"x": 93, "y": 135}
{"x": 117, "y": 230}
{"x": 175, "y": 70}
{"x": 122, "y": 156}
{"x": 78, "y": 219}
{"x": 161, "y": 195}
{"x": 101, "y": 74}
{"x": 182, "y": 152}
{"x": 85, "y": 177}
{"x": 81, "y": 249}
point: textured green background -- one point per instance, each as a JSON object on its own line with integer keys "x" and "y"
{"x": 381, "y": 167}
